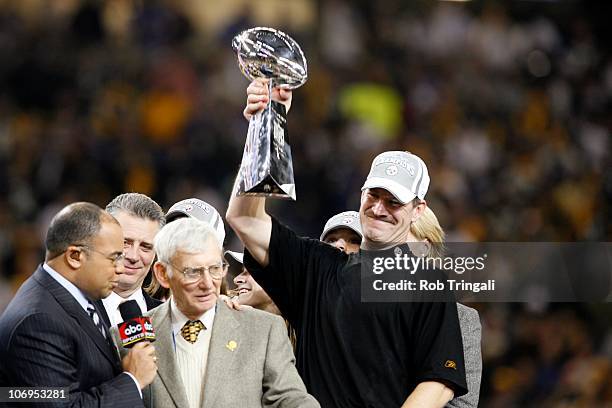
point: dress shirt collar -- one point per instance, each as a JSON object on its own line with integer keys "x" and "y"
{"x": 112, "y": 301}
{"x": 69, "y": 286}
{"x": 179, "y": 319}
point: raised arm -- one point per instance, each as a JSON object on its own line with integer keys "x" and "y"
{"x": 247, "y": 214}
{"x": 248, "y": 218}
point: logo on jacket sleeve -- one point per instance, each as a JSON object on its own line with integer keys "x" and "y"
{"x": 450, "y": 364}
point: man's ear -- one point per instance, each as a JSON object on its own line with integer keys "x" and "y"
{"x": 426, "y": 247}
{"x": 418, "y": 210}
{"x": 362, "y": 196}
{"x": 161, "y": 273}
{"x": 74, "y": 256}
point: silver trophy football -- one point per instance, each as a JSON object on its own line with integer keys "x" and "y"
{"x": 267, "y": 168}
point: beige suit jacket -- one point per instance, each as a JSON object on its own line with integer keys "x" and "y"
{"x": 250, "y": 363}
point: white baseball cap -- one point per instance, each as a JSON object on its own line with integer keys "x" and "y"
{"x": 403, "y": 174}
{"x": 200, "y": 210}
{"x": 346, "y": 219}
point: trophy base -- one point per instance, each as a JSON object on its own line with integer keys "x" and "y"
{"x": 268, "y": 187}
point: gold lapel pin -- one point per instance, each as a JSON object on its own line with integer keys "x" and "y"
{"x": 231, "y": 345}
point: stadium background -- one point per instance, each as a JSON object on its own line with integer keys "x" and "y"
{"x": 508, "y": 103}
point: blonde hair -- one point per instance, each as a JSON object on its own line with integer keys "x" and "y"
{"x": 427, "y": 228}
{"x": 156, "y": 290}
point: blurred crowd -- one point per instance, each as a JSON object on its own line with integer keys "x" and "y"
{"x": 507, "y": 102}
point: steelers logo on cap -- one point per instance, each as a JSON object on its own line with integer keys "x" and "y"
{"x": 391, "y": 170}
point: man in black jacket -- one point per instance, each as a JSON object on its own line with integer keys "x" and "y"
{"x": 140, "y": 218}
{"x": 389, "y": 354}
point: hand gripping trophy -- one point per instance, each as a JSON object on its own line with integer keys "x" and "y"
{"x": 267, "y": 168}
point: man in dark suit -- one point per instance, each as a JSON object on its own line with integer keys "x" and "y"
{"x": 140, "y": 218}
{"x": 51, "y": 334}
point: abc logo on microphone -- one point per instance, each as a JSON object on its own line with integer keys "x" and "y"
{"x": 135, "y": 330}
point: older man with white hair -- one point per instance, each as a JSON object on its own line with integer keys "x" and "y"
{"x": 210, "y": 355}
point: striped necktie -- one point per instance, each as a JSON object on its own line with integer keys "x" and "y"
{"x": 96, "y": 319}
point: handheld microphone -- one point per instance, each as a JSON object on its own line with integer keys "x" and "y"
{"x": 135, "y": 328}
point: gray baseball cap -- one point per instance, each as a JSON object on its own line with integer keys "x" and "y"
{"x": 403, "y": 174}
{"x": 200, "y": 210}
{"x": 346, "y": 219}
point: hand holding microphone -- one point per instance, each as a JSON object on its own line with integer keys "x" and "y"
{"x": 136, "y": 332}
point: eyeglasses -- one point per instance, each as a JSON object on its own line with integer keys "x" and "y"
{"x": 191, "y": 275}
{"x": 115, "y": 257}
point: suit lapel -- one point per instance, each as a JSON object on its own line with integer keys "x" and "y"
{"x": 225, "y": 339}
{"x": 167, "y": 369}
{"x": 99, "y": 306}
{"x": 74, "y": 309}
{"x": 151, "y": 303}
